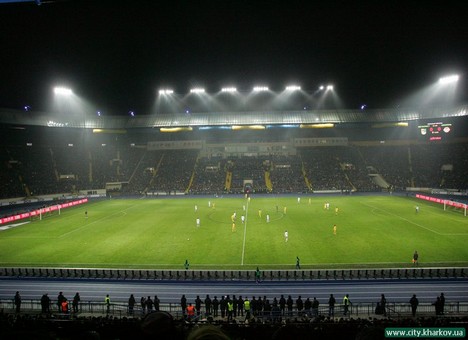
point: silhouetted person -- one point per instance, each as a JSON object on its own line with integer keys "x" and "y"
{"x": 346, "y": 304}
{"x": 331, "y": 305}
{"x": 60, "y": 299}
{"x": 45, "y": 303}
{"x": 183, "y": 304}
{"x": 383, "y": 304}
{"x": 215, "y": 307}
{"x": 17, "y": 301}
{"x": 442, "y": 303}
{"x": 156, "y": 302}
{"x": 76, "y": 302}
{"x": 198, "y": 303}
{"x": 415, "y": 258}
{"x": 131, "y": 304}
{"x": 414, "y": 302}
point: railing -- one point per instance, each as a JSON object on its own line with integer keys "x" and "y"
{"x": 394, "y": 310}
{"x": 236, "y": 275}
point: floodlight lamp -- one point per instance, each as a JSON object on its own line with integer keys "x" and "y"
{"x": 321, "y": 87}
{"x": 449, "y": 79}
{"x": 330, "y": 87}
{"x": 293, "y": 88}
{"x": 228, "y": 89}
{"x": 197, "y": 90}
{"x": 166, "y": 91}
{"x": 131, "y": 113}
{"x": 260, "y": 88}
{"x": 62, "y": 91}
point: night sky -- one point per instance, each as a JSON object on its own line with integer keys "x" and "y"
{"x": 117, "y": 55}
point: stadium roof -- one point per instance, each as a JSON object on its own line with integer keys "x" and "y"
{"x": 12, "y": 117}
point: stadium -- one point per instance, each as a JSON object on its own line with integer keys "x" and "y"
{"x": 105, "y": 189}
{"x": 153, "y": 187}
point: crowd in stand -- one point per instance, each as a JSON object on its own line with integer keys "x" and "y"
{"x": 226, "y": 318}
{"x": 42, "y": 170}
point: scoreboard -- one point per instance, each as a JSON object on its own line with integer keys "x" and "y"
{"x": 435, "y": 131}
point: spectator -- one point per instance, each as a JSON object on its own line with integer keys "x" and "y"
{"x": 299, "y": 305}
{"x": 17, "y": 301}
{"x": 414, "y": 302}
{"x": 131, "y": 304}
{"x": 75, "y": 302}
{"x": 183, "y": 304}
{"x": 331, "y": 306}
{"x": 315, "y": 307}
{"x": 45, "y": 304}
{"x": 107, "y": 302}
{"x": 60, "y": 299}
{"x": 190, "y": 312}
{"x": 198, "y": 303}
{"x": 442, "y": 303}
{"x": 383, "y": 304}
{"x": 346, "y": 304}
{"x": 215, "y": 307}
{"x": 156, "y": 302}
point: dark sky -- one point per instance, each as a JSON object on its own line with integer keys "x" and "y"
{"x": 117, "y": 54}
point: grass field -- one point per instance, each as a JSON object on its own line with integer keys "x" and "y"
{"x": 372, "y": 231}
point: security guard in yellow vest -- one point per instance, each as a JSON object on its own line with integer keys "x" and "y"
{"x": 247, "y": 308}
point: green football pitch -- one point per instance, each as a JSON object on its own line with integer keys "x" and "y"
{"x": 371, "y": 231}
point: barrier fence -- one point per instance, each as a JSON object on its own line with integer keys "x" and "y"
{"x": 235, "y": 275}
{"x": 394, "y": 310}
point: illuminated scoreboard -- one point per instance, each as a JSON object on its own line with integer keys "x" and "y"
{"x": 435, "y": 131}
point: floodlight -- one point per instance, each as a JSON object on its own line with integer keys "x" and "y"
{"x": 293, "y": 88}
{"x": 449, "y": 79}
{"x": 228, "y": 89}
{"x": 166, "y": 91}
{"x": 63, "y": 91}
{"x": 260, "y": 88}
{"x": 330, "y": 87}
{"x": 197, "y": 90}
{"x": 321, "y": 87}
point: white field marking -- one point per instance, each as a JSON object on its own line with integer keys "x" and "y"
{"x": 416, "y": 224}
{"x": 245, "y": 232}
{"x": 9, "y": 226}
{"x": 430, "y": 211}
{"x": 102, "y": 218}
